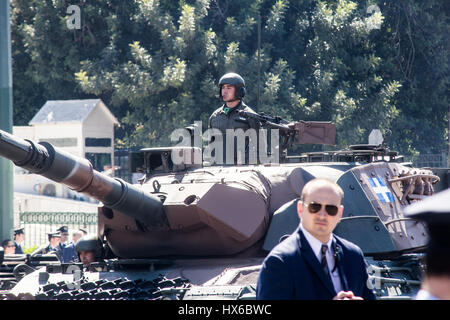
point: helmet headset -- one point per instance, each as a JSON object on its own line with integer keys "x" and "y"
{"x": 235, "y": 80}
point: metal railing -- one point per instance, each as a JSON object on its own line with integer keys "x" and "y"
{"x": 37, "y": 224}
{"x": 435, "y": 160}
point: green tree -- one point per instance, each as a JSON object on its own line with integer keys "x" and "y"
{"x": 416, "y": 48}
{"x": 47, "y": 54}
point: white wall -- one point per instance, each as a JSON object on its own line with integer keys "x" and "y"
{"x": 24, "y": 132}
{"x": 59, "y": 131}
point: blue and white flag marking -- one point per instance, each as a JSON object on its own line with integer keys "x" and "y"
{"x": 382, "y": 191}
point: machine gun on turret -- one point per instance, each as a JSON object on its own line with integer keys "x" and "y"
{"x": 307, "y": 132}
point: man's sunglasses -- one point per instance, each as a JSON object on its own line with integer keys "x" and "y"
{"x": 314, "y": 207}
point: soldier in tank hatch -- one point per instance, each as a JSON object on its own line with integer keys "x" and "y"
{"x": 89, "y": 249}
{"x": 232, "y": 91}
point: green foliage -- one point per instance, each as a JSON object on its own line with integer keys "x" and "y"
{"x": 361, "y": 64}
{"x": 30, "y": 250}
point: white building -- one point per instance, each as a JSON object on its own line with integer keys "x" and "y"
{"x": 81, "y": 127}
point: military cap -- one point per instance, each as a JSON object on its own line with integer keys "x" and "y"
{"x": 63, "y": 229}
{"x": 434, "y": 211}
{"x": 53, "y": 235}
{"x": 18, "y": 231}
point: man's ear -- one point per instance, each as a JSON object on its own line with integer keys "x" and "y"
{"x": 341, "y": 211}
{"x": 300, "y": 208}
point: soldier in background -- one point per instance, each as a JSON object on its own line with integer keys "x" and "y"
{"x": 8, "y": 246}
{"x": 435, "y": 212}
{"x": 19, "y": 239}
{"x": 69, "y": 252}
{"x": 64, "y": 231}
{"x": 232, "y": 91}
{"x": 54, "y": 238}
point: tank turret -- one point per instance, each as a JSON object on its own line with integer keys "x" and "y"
{"x": 148, "y": 220}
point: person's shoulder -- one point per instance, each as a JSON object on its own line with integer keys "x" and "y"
{"x": 214, "y": 115}
{"x": 247, "y": 108}
{"x": 287, "y": 247}
{"x": 218, "y": 110}
{"x": 70, "y": 246}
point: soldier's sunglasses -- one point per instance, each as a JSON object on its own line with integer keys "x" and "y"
{"x": 315, "y": 207}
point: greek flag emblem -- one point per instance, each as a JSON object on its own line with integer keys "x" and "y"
{"x": 382, "y": 191}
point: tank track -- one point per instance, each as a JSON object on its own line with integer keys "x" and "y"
{"x": 159, "y": 288}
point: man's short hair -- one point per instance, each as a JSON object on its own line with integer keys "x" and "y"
{"x": 5, "y": 242}
{"x": 321, "y": 182}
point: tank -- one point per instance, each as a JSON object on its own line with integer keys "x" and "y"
{"x": 192, "y": 231}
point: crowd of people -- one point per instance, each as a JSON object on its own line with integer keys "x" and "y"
{"x": 58, "y": 243}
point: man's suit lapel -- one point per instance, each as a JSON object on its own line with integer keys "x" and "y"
{"x": 311, "y": 259}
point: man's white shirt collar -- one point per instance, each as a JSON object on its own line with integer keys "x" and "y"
{"x": 425, "y": 295}
{"x": 316, "y": 244}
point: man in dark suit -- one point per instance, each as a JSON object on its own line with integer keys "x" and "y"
{"x": 313, "y": 263}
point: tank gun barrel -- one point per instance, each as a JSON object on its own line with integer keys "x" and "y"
{"x": 78, "y": 174}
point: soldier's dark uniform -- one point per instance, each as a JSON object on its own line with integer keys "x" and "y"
{"x": 49, "y": 248}
{"x": 69, "y": 254}
{"x": 225, "y": 118}
{"x": 19, "y": 249}
{"x": 63, "y": 230}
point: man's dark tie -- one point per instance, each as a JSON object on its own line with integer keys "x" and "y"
{"x": 323, "y": 260}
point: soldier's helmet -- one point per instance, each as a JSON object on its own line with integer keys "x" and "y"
{"x": 234, "y": 79}
{"x": 90, "y": 243}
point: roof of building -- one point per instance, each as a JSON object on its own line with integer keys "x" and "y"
{"x": 68, "y": 111}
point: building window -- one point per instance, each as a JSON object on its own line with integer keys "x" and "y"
{"x": 61, "y": 142}
{"x": 100, "y": 161}
{"x": 97, "y": 142}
